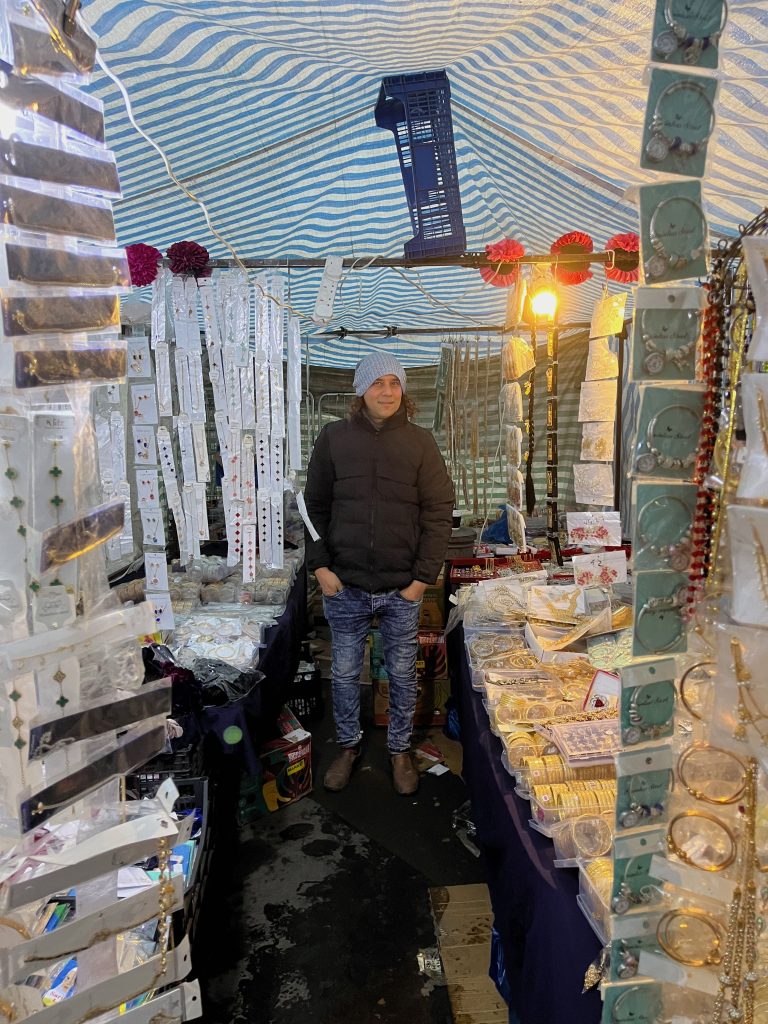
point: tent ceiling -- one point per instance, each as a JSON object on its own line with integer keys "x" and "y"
{"x": 266, "y": 112}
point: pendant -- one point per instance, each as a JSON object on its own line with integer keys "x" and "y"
{"x": 633, "y": 734}
{"x": 654, "y": 363}
{"x": 657, "y": 148}
{"x": 679, "y": 560}
{"x": 665, "y": 44}
{"x": 656, "y": 266}
{"x": 646, "y": 463}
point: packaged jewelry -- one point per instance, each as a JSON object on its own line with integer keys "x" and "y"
{"x": 53, "y": 457}
{"x": 593, "y": 740}
{"x": 669, "y": 426}
{"x": 688, "y": 34}
{"x": 143, "y": 404}
{"x": 598, "y": 401}
{"x": 511, "y": 400}
{"x": 610, "y": 651}
{"x": 608, "y": 315}
{"x": 69, "y": 540}
{"x": 673, "y": 232}
{"x": 516, "y": 528}
{"x": 593, "y": 483}
{"x": 68, "y": 313}
{"x": 644, "y": 779}
{"x": 753, "y": 479}
{"x": 597, "y": 442}
{"x": 679, "y": 123}
{"x": 659, "y": 626}
{"x": 634, "y": 884}
{"x": 73, "y": 164}
{"x": 756, "y": 256}
{"x": 647, "y": 701}
{"x": 517, "y": 358}
{"x": 139, "y": 363}
{"x": 600, "y": 569}
{"x": 666, "y": 332}
{"x": 37, "y": 365}
{"x": 663, "y": 528}
{"x": 515, "y": 487}
{"x": 748, "y": 541}
{"x": 514, "y": 445}
{"x": 40, "y": 48}
{"x": 602, "y": 360}
{"x": 60, "y": 104}
{"x": 740, "y": 695}
{"x": 56, "y": 210}
{"x": 594, "y": 529}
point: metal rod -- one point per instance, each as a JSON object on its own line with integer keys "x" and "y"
{"x": 391, "y": 332}
{"x": 472, "y": 260}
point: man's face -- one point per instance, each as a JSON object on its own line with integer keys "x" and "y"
{"x": 383, "y": 397}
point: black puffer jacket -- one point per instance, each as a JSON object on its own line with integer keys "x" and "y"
{"x": 381, "y": 501}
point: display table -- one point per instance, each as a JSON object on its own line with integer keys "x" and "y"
{"x": 547, "y": 942}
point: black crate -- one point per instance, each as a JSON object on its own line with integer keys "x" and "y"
{"x": 186, "y": 763}
{"x": 305, "y": 696}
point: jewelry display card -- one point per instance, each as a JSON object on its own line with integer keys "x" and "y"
{"x": 163, "y": 380}
{"x": 679, "y": 122}
{"x": 183, "y": 386}
{"x": 249, "y": 553}
{"x": 277, "y": 400}
{"x": 201, "y": 512}
{"x": 600, "y": 569}
{"x": 144, "y": 447}
{"x": 597, "y": 442}
{"x": 162, "y": 611}
{"x": 200, "y": 444}
{"x": 156, "y": 570}
{"x": 669, "y": 425}
{"x": 70, "y": 540}
{"x": 189, "y": 501}
{"x": 602, "y": 359}
{"x": 663, "y": 524}
{"x": 740, "y": 710}
{"x": 167, "y": 462}
{"x": 186, "y": 449}
{"x": 648, "y": 701}
{"x": 634, "y": 884}
{"x": 594, "y": 529}
{"x": 248, "y": 396}
{"x": 555, "y": 604}
{"x": 265, "y": 527}
{"x": 144, "y": 404}
{"x": 53, "y": 458}
{"x": 753, "y": 479}
{"x": 674, "y": 237}
{"x": 659, "y": 626}
{"x": 644, "y": 779}
{"x": 153, "y": 528}
{"x": 184, "y": 312}
{"x": 121, "y": 544}
{"x": 210, "y": 313}
{"x": 756, "y": 256}
{"x": 119, "y": 455}
{"x": 665, "y": 334}
{"x": 598, "y": 401}
{"x": 608, "y": 316}
{"x": 138, "y": 361}
{"x": 593, "y": 483}
{"x": 688, "y": 34}
{"x": 158, "y": 328}
{"x": 147, "y": 489}
{"x": 15, "y": 480}
{"x": 748, "y": 534}
{"x": 638, "y": 1002}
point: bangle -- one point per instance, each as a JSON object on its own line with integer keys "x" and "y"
{"x": 657, "y": 607}
{"x": 677, "y": 36}
{"x": 660, "y": 145}
{"x": 684, "y": 679}
{"x": 677, "y": 551}
{"x": 659, "y": 355}
{"x": 712, "y": 956}
{"x": 685, "y": 764}
{"x": 684, "y": 856}
{"x": 655, "y": 457}
{"x": 662, "y": 260}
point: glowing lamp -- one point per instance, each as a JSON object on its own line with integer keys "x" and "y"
{"x": 544, "y": 303}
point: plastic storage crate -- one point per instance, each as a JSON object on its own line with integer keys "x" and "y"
{"x": 186, "y": 763}
{"x": 416, "y": 108}
{"x": 305, "y": 695}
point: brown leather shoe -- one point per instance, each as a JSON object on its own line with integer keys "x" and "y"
{"x": 405, "y": 778}
{"x": 340, "y": 769}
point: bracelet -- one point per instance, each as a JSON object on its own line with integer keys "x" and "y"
{"x": 657, "y": 607}
{"x": 676, "y": 36}
{"x": 712, "y": 956}
{"x": 662, "y": 261}
{"x": 660, "y": 145}
{"x": 682, "y": 855}
{"x": 677, "y": 552}
{"x": 638, "y": 729}
{"x": 684, "y": 679}
{"x": 655, "y": 458}
{"x": 654, "y": 1011}
{"x": 697, "y": 794}
{"x": 658, "y": 355}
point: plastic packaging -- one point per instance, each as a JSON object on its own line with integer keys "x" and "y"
{"x": 674, "y": 236}
{"x": 668, "y": 429}
{"x": 71, "y": 109}
{"x": 679, "y": 123}
{"x": 511, "y": 403}
{"x": 688, "y": 35}
{"x": 45, "y": 158}
{"x": 663, "y": 523}
{"x": 55, "y": 210}
{"x": 517, "y": 358}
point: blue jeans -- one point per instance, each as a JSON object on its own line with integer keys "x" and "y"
{"x": 350, "y": 614}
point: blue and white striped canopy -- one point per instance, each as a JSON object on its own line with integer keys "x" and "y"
{"x": 266, "y": 112}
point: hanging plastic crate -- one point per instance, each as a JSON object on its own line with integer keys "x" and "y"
{"x": 417, "y": 109}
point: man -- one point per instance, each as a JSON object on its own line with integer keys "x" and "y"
{"x": 380, "y": 498}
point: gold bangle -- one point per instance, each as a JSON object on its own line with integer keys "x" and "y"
{"x": 712, "y": 957}
{"x": 681, "y": 854}
{"x": 699, "y": 794}
{"x": 683, "y": 679}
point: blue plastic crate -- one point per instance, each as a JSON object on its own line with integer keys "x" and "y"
{"x": 417, "y": 110}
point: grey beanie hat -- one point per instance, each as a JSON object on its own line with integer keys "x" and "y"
{"x": 377, "y": 364}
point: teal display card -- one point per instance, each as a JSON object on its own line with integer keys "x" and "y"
{"x": 673, "y": 232}
{"x": 668, "y": 430}
{"x": 663, "y": 524}
{"x": 630, "y": 1003}
{"x": 659, "y": 625}
{"x": 679, "y": 122}
{"x": 687, "y": 32}
{"x": 647, "y": 701}
{"x": 665, "y": 333}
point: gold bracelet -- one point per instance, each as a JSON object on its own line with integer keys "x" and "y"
{"x": 699, "y": 794}
{"x": 712, "y": 957}
{"x": 683, "y": 698}
{"x": 681, "y": 854}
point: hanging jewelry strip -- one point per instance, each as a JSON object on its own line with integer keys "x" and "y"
{"x": 241, "y": 348}
{"x": 53, "y": 456}
{"x": 183, "y": 386}
{"x": 248, "y": 395}
{"x": 117, "y": 431}
{"x": 15, "y": 509}
{"x": 19, "y": 710}
{"x": 248, "y": 479}
{"x": 234, "y": 524}
{"x": 263, "y": 460}
{"x": 196, "y": 387}
{"x": 184, "y": 312}
{"x": 201, "y": 512}
{"x": 265, "y": 527}
{"x": 210, "y": 307}
{"x": 216, "y": 377}
{"x": 186, "y": 449}
{"x": 163, "y": 380}
{"x": 276, "y": 503}
{"x": 189, "y": 501}
{"x": 122, "y": 544}
{"x": 159, "y": 285}
{"x": 172, "y": 494}
{"x": 200, "y": 440}
{"x": 249, "y": 553}
{"x": 293, "y": 377}
{"x": 232, "y": 384}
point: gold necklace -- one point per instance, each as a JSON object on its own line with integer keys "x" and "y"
{"x": 747, "y": 717}
{"x": 558, "y": 614}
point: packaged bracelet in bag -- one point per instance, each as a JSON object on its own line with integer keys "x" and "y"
{"x": 516, "y": 527}
{"x": 61, "y": 314}
{"x": 511, "y": 403}
{"x": 517, "y": 358}
{"x": 515, "y": 487}
{"x": 56, "y": 210}
{"x": 76, "y": 111}
{"x": 40, "y": 45}
{"x": 94, "y": 361}
{"x": 25, "y": 261}
{"x": 81, "y": 167}
{"x": 514, "y": 445}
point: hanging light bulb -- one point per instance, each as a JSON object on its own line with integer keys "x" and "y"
{"x": 542, "y": 294}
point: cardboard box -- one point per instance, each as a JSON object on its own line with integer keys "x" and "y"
{"x": 430, "y": 702}
{"x": 286, "y": 771}
{"x": 432, "y": 614}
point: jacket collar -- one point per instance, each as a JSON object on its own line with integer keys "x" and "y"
{"x": 399, "y": 419}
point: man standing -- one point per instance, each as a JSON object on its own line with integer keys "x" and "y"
{"x": 380, "y": 498}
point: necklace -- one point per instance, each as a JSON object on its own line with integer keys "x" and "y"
{"x": 663, "y": 261}
{"x": 675, "y": 551}
{"x": 747, "y": 716}
{"x": 678, "y": 36}
{"x": 12, "y": 475}
{"x": 55, "y": 472}
{"x": 664, "y": 426}
{"x": 659, "y": 355}
{"x": 660, "y": 145}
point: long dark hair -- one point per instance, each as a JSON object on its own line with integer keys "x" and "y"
{"x": 358, "y": 405}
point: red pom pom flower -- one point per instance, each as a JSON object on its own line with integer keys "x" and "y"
{"x": 188, "y": 258}
{"x": 143, "y": 263}
{"x": 506, "y": 251}
{"x": 626, "y": 258}
{"x": 574, "y": 243}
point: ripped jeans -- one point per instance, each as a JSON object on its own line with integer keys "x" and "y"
{"x": 350, "y": 614}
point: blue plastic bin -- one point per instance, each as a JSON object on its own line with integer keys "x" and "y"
{"x": 417, "y": 110}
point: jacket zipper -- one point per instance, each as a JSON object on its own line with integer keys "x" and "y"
{"x": 373, "y": 506}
